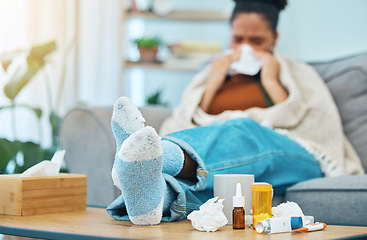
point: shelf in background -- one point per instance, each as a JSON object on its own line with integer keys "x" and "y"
{"x": 187, "y": 15}
{"x": 161, "y": 66}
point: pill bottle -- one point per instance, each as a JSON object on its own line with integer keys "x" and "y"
{"x": 262, "y": 194}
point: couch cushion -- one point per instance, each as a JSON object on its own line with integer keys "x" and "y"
{"x": 339, "y": 200}
{"x": 347, "y": 81}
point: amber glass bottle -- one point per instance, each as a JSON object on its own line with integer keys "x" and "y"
{"x": 238, "y": 212}
{"x": 238, "y": 218}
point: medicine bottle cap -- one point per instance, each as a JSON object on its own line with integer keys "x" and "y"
{"x": 262, "y": 187}
{"x": 238, "y": 200}
{"x": 261, "y": 226}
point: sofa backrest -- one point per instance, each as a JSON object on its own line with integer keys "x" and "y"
{"x": 347, "y": 81}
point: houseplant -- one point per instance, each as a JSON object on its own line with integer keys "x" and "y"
{"x": 148, "y": 48}
{"x": 36, "y": 58}
{"x": 155, "y": 99}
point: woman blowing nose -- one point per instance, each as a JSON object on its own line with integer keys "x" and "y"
{"x": 280, "y": 124}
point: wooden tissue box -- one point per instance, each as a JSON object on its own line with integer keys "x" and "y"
{"x": 23, "y": 196}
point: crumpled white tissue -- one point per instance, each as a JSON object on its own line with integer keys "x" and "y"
{"x": 288, "y": 209}
{"x": 210, "y": 217}
{"x": 247, "y": 64}
{"x": 46, "y": 167}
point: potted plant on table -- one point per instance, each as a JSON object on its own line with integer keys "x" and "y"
{"x": 148, "y": 48}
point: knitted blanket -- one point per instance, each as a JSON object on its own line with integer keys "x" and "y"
{"x": 308, "y": 116}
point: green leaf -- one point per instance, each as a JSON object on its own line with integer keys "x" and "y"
{"x": 8, "y": 150}
{"x": 55, "y": 122}
{"x": 19, "y": 79}
{"x": 39, "y": 52}
{"x": 155, "y": 99}
{"x": 54, "y": 119}
{"x": 35, "y": 61}
{"x": 33, "y": 154}
{"x": 38, "y": 112}
{"x": 148, "y": 42}
{"x": 6, "y": 64}
{"x": 49, "y": 153}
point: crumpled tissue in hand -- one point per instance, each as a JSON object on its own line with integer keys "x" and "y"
{"x": 248, "y": 64}
{"x": 288, "y": 209}
{"x": 210, "y": 217}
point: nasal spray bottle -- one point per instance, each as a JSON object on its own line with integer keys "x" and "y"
{"x": 286, "y": 224}
{"x": 238, "y": 209}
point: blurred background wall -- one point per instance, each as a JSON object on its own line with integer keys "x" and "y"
{"x": 94, "y": 38}
{"x": 311, "y": 30}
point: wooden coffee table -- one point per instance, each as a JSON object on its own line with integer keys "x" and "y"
{"x": 95, "y": 223}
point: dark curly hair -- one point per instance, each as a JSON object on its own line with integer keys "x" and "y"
{"x": 268, "y": 8}
{"x": 281, "y": 4}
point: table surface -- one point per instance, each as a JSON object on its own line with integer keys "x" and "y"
{"x": 95, "y": 223}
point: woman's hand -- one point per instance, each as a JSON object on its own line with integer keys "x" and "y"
{"x": 219, "y": 70}
{"x": 217, "y": 76}
{"x": 270, "y": 68}
{"x": 270, "y": 76}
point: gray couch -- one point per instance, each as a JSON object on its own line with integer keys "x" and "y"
{"x": 90, "y": 147}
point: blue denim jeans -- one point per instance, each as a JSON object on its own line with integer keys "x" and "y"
{"x": 238, "y": 146}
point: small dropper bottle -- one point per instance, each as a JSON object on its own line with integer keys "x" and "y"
{"x": 238, "y": 209}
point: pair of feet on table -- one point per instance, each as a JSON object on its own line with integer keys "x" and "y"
{"x": 141, "y": 158}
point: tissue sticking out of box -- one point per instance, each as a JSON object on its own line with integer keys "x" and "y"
{"x": 46, "y": 167}
{"x": 210, "y": 217}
